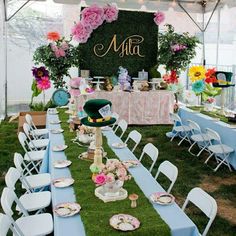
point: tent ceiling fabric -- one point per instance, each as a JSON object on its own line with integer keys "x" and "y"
{"x": 194, "y": 6}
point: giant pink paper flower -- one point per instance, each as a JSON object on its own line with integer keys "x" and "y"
{"x": 92, "y": 16}
{"x": 81, "y": 33}
{"x": 43, "y": 83}
{"x": 159, "y": 17}
{"x": 110, "y": 13}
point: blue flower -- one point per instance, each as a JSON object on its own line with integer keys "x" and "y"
{"x": 198, "y": 87}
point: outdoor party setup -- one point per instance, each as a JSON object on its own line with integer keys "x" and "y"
{"x": 117, "y": 127}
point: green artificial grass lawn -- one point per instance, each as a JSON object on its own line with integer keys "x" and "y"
{"x": 192, "y": 173}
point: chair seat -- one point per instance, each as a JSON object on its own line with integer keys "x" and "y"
{"x": 200, "y": 137}
{"x": 182, "y": 128}
{"x": 40, "y": 132}
{"x": 39, "y": 180}
{"x": 39, "y": 143}
{"x": 36, "y": 224}
{"x": 35, "y": 201}
{"x": 35, "y": 155}
{"x": 218, "y": 149}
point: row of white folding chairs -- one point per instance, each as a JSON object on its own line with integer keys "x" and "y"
{"x": 209, "y": 141}
{"x": 38, "y": 223}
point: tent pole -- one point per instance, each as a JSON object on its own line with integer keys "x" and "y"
{"x": 218, "y": 36}
{"x": 203, "y": 36}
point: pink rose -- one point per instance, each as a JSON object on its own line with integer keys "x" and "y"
{"x": 121, "y": 173}
{"x": 60, "y": 53}
{"x": 64, "y": 46}
{"x": 110, "y": 178}
{"x": 159, "y": 17}
{"x": 100, "y": 179}
{"x": 81, "y": 33}
{"x": 92, "y": 16}
{"x": 110, "y": 13}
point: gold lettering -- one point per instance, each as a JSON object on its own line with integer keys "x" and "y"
{"x": 129, "y": 47}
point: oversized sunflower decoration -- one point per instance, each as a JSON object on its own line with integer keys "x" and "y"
{"x": 197, "y": 73}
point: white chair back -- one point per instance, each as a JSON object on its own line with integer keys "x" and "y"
{"x": 11, "y": 177}
{"x": 23, "y": 141}
{"x": 152, "y": 152}
{"x": 213, "y": 134}
{"x": 29, "y": 120}
{"x": 175, "y": 118}
{"x": 136, "y": 137}
{"x": 195, "y": 128}
{"x": 170, "y": 171}
{"x": 205, "y": 203}
{"x": 27, "y": 130}
{"x": 5, "y": 225}
{"x": 21, "y": 166}
{"x": 122, "y": 124}
{"x": 117, "y": 116}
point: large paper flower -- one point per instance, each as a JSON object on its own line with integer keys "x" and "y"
{"x": 81, "y": 33}
{"x": 197, "y": 73}
{"x": 198, "y": 87}
{"x": 43, "y": 83}
{"x": 92, "y": 16}
{"x": 159, "y": 17}
{"x": 210, "y": 76}
{"x": 54, "y": 36}
{"x": 40, "y": 72}
{"x": 110, "y": 13}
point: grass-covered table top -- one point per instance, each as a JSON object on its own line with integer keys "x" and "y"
{"x": 96, "y": 214}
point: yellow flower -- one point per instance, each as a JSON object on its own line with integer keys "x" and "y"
{"x": 197, "y": 73}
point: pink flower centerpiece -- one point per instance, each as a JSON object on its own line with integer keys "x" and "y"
{"x": 81, "y": 33}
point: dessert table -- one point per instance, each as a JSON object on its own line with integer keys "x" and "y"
{"x": 140, "y": 108}
{"x": 179, "y": 223}
{"x": 227, "y": 133}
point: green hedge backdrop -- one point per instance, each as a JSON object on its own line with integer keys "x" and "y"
{"x": 128, "y": 23}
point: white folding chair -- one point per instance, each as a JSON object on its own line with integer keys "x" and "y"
{"x": 205, "y": 203}
{"x": 34, "y": 130}
{"x": 5, "y": 225}
{"x": 117, "y": 116}
{"x": 33, "y": 182}
{"x": 170, "y": 171}
{"x": 136, "y": 137}
{"x": 150, "y": 150}
{"x": 34, "y": 157}
{"x": 41, "y": 224}
{"x": 34, "y": 143}
{"x": 183, "y": 131}
{"x": 199, "y": 138}
{"x": 122, "y": 124}
{"x": 219, "y": 150}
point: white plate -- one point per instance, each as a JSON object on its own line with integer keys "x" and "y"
{"x": 67, "y": 209}
{"x": 124, "y": 222}
{"x": 57, "y": 131}
{"x": 63, "y": 182}
{"x": 215, "y": 119}
{"x": 106, "y": 128}
{"x": 55, "y": 122}
{"x": 131, "y": 163}
{"x": 232, "y": 126}
{"x": 59, "y": 148}
{"x": 162, "y": 198}
{"x": 119, "y": 145}
{"x": 61, "y": 164}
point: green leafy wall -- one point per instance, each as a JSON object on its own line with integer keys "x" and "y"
{"x": 128, "y": 23}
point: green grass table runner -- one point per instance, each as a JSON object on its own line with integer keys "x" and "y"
{"x": 96, "y": 214}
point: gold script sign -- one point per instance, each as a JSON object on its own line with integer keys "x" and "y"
{"x": 129, "y": 47}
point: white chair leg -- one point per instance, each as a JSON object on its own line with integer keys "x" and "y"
{"x": 174, "y": 136}
{"x": 208, "y": 158}
{"x": 189, "y": 150}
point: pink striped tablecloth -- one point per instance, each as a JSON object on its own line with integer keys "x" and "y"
{"x": 139, "y": 108}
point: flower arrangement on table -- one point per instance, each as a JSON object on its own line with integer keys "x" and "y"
{"x": 86, "y": 130}
{"x": 175, "y": 51}
{"x": 59, "y": 55}
{"x": 202, "y": 82}
{"x": 40, "y": 83}
{"x": 113, "y": 170}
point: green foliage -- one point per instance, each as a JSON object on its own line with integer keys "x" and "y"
{"x": 154, "y": 73}
{"x": 58, "y": 67}
{"x": 35, "y": 90}
{"x": 210, "y": 91}
{"x": 128, "y": 23}
{"x": 41, "y": 107}
{"x": 176, "y": 60}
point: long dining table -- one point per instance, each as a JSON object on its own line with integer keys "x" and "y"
{"x": 178, "y": 222}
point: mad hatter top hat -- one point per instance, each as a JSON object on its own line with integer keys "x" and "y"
{"x": 99, "y": 113}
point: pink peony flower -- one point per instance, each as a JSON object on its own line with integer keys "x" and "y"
{"x": 110, "y": 178}
{"x": 159, "y": 17}
{"x": 64, "y": 46}
{"x": 81, "y": 33}
{"x": 100, "y": 179}
{"x": 60, "y": 53}
{"x": 92, "y": 16}
{"x": 110, "y": 13}
{"x": 43, "y": 83}
{"x": 121, "y": 173}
